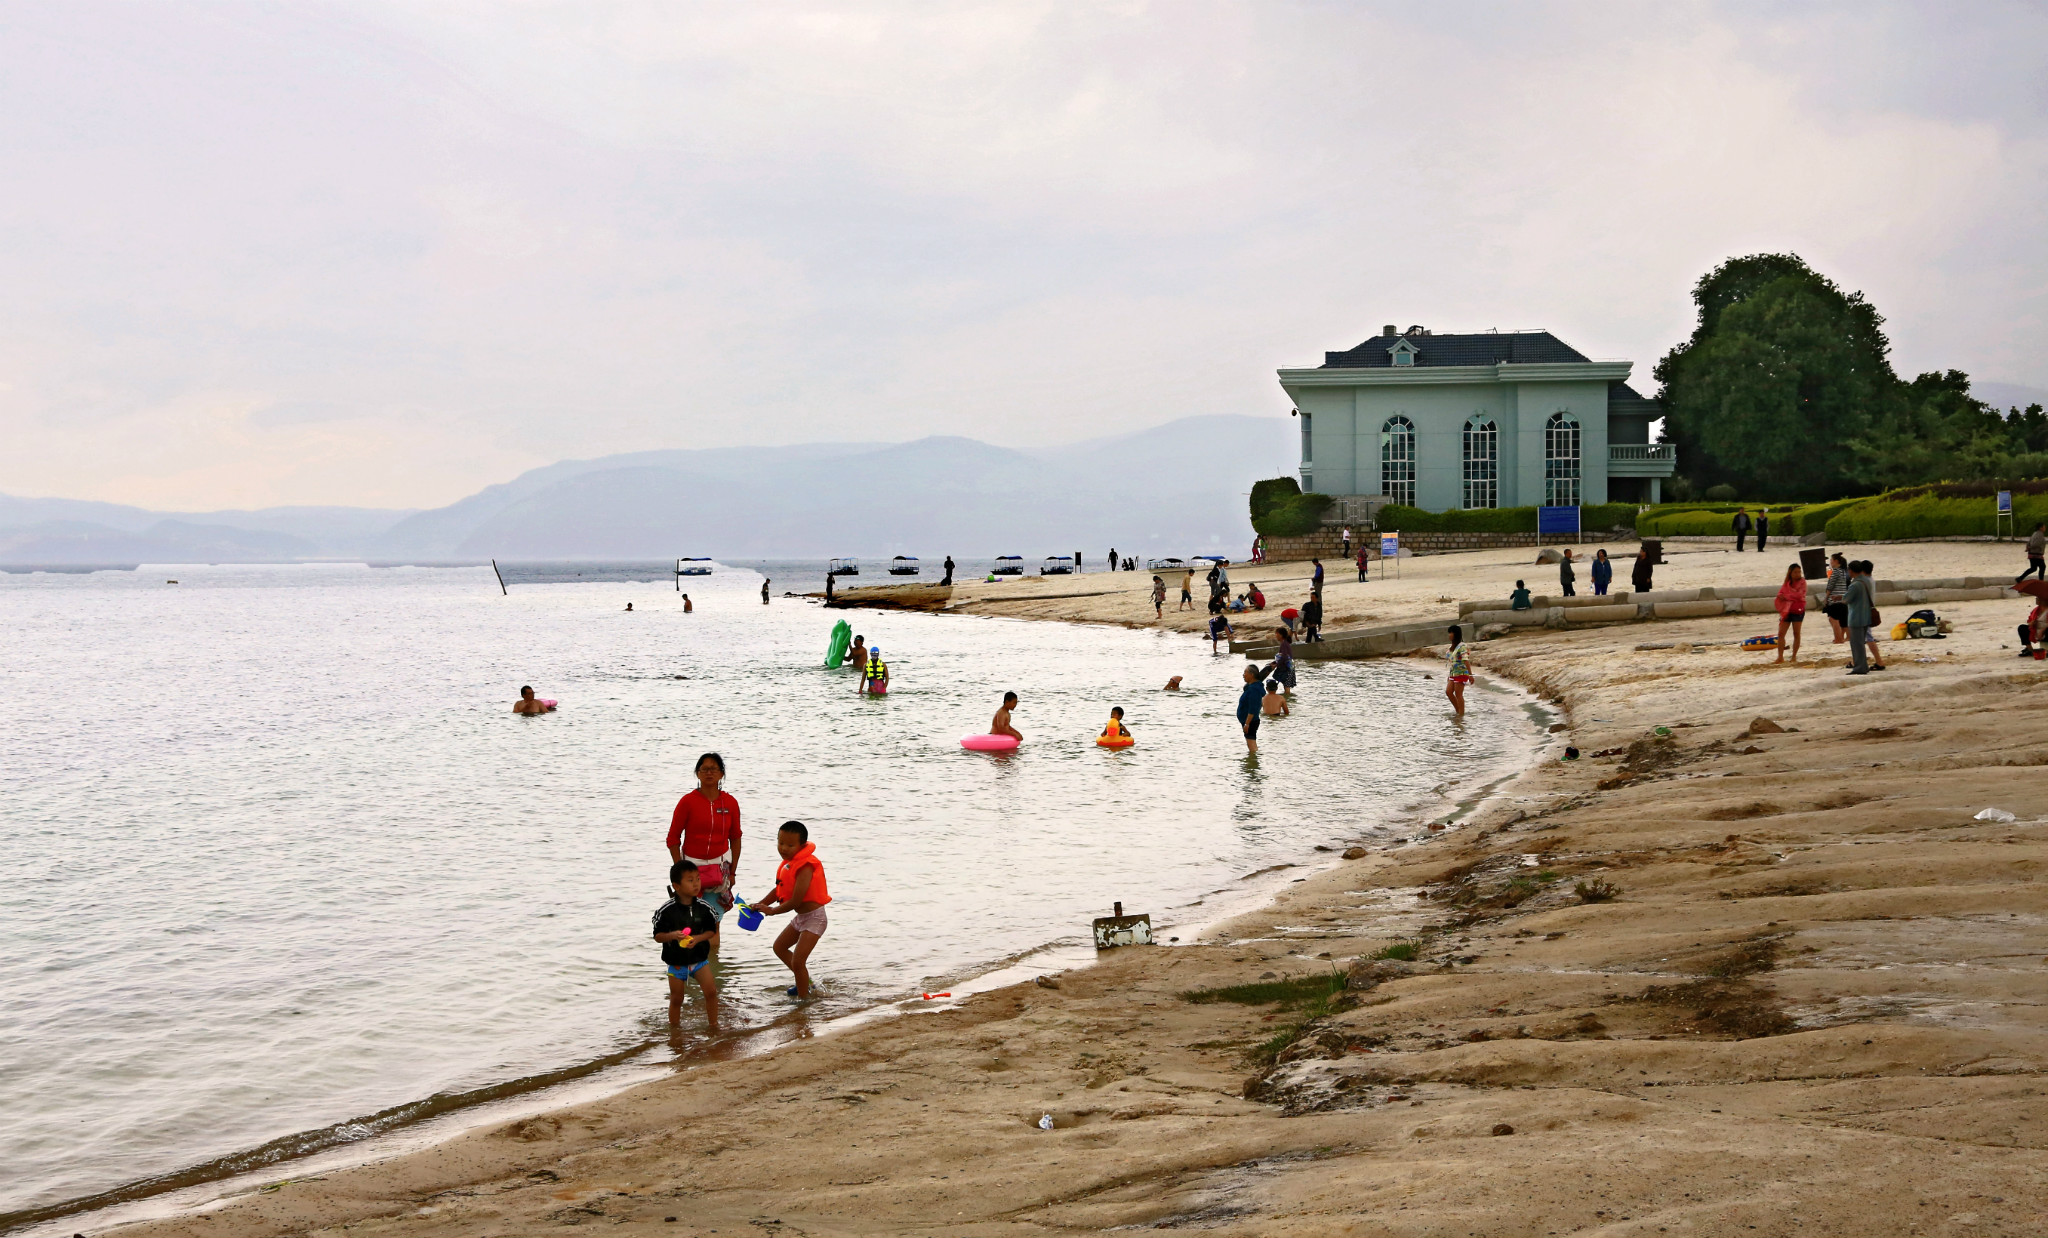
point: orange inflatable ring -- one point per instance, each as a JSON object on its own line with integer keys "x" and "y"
{"x": 1105, "y": 741}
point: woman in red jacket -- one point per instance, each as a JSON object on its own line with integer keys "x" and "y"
{"x": 705, "y": 830}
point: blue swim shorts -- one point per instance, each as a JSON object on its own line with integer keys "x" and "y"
{"x": 685, "y": 970}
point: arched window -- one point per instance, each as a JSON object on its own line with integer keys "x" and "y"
{"x": 1482, "y": 462}
{"x": 1561, "y": 460}
{"x": 1397, "y": 461}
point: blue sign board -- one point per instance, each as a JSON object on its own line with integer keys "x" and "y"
{"x": 1556, "y": 520}
{"x": 1390, "y": 545}
{"x": 2005, "y": 502}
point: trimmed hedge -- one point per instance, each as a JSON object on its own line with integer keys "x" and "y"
{"x": 1270, "y": 493}
{"x": 1715, "y": 520}
{"x": 1594, "y": 518}
{"x": 1294, "y": 515}
{"x": 1927, "y": 515}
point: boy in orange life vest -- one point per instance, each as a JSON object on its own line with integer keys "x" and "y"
{"x": 799, "y": 887}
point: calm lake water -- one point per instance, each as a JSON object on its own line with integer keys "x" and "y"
{"x": 279, "y": 860}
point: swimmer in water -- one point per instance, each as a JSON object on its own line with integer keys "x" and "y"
{"x": 874, "y": 680}
{"x": 629, "y": 607}
{"x": 1275, "y": 704}
{"x": 1116, "y": 728}
{"x": 527, "y": 704}
{"x": 1173, "y": 684}
{"x": 1001, "y": 725}
{"x": 858, "y": 655}
{"x": 687, "y": 606}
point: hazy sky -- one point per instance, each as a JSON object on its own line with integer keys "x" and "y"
{"x": 386, "y": 254}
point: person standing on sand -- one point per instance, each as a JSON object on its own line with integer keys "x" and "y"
{"x": 1742, "y": 527}
{"x": 705, "y": 830}
{"x": 1001, "y": 723}
{"x": 2037, "y": 554}
{"x": 764, "y": 591}
{"x": 1639, "y": 575}
{"x": 1460, "y": 672}
{"x": 1159, "y": 597}
{"x": 1763, "y": 528}
{"x": 829, "y": 578}
{"x": 1603, "y": 572}
{"x": 1312, "y": 619}
{"x": 1315, "y": 578}
{"x": 1250, "y": 707}
{"x": 1187, "y": 591}
{"x": 1862, "y": 613}
{"x": 1347, "y": 541}
{"x": 1566, "y": 574}
{"x": 1112, "y": 558}
{"x": 1791, "y": 608}
{"x": 1361, "y": 565}
{"x": 1077, "y": 564}
{"x": 1836, "y": 605}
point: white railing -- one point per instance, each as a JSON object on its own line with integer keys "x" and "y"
{"x": 1642, "y": 451}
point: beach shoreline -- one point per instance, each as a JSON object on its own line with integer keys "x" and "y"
{"x": 1730, "y": 996}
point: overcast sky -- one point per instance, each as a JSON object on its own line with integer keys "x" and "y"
{"x": 376, "y": 254}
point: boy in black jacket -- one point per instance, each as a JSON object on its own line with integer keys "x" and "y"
{"x": 687, "y": 930}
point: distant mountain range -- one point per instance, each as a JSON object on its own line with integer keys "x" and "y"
{"x": 1179, "y": 487}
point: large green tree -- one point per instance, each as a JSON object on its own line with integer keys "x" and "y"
{"x": 1783, "y": 373}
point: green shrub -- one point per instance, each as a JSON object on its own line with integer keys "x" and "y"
{"x": 1294, "y": 515}
{"x": 1270, "y": 493}
{"x": 1717, "y": 519}
{"x": 1814, "y": 517}
{"x": 1724, "y": 491}
{"x": 1925, "y": 514}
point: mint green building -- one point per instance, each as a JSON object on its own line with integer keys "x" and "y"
{"x": 1501, "y": 419}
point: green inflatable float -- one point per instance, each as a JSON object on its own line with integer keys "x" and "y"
{"x": 835, "y": 651}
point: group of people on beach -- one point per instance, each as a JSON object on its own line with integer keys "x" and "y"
{"x": 704, "y": 844}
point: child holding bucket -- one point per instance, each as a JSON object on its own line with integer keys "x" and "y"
{"x": 799, "y": 887}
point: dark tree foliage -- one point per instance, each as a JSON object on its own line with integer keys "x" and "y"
{"x": 1271, "y": 493}
{"x": 1786, "y": 390}
{"x": 1783, "y": 371}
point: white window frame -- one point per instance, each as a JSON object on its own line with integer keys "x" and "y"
{"x": 1397, "y": 460}
{"x": 1563, "y": 449}
{"x": 1481, "y": 460}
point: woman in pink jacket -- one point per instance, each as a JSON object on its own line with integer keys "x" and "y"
{"x": 1791, "y": 604}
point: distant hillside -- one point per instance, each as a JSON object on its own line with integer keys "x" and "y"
{"x": 1178, "y": 487}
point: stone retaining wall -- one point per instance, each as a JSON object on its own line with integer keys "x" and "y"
{"x": 1328, "y": 543}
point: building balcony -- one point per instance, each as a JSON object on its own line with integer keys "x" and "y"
{"x": 1641, "y": 459}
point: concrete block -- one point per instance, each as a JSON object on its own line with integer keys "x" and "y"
{"x": 1601, "y": 614}
{"x": 1759, "y": 606}
{"x": 1686, "y": 610}
{"x": 1893, "y": 597}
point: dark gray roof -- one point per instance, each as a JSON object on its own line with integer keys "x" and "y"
{"x": 1491, "y": 348}
{"x": 1626, "y": 401}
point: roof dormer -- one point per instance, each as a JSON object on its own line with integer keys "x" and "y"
{"x": 1404, "y": 351}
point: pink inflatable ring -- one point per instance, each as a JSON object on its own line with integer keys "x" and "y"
{"x": 988, "y": 743}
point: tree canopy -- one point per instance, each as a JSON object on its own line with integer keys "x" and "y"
{"x": 1786, "y": 390}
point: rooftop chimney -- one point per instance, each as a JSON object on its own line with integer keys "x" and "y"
{"x": 1417, "y": 331}
{"x": 1389, "y": 330}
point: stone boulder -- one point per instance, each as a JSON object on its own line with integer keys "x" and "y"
{"x": 1547, "y": 555}
{"x": 1371, "y": 973}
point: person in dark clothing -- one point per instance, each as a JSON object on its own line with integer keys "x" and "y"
{"x": 687, "y": 930}
{"x": 1315, "y": 580}
{"x": 829, "y": 578}
{"x": 1639, "y": 576}
{"x": 949, "y": 571}
{"x": 1763, "y": 529}
{"x": 1603, "y": 573}
{"x": 1112, "y": 558}
{"x": 2037, "y": 554}
{"x": 1743, "y": 525}
{"x": 1312, "y": 618}
{"x": 1077, "y": 563}
{"x": 1566, "y": 574}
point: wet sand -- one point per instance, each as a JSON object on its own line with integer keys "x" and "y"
{"x": 1811, "y": 1005}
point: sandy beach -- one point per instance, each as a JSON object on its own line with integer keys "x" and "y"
{"x": 1764, "y": 971}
